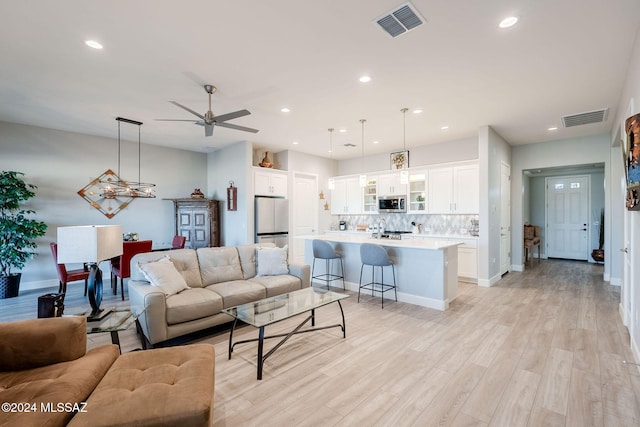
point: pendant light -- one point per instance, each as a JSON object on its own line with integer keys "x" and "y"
{"x": 332, "y": 181}
{"x": 404, "y": 174}
{"x": 363, "y": 176}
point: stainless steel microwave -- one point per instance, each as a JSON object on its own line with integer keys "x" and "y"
{"x": 393, "y": 204}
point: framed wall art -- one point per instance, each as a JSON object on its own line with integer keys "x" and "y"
{"x": 400, "y": 160}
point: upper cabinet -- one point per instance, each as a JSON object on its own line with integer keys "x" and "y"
{"x": 346, "y": 197}
{"x": 269, "y": 183}
{"x": 389, "y": 185}
{"x": 417, "y": 192}
{"x": 453, "y": 190}
{"x": 370, "y": 196}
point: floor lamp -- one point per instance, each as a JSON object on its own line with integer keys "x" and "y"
{"x": 90, "y": 244}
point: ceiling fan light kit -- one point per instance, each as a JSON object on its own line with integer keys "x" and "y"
{"x": 209, "y": 120}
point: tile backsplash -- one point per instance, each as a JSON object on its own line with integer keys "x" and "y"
{"x": 431, "y": 224}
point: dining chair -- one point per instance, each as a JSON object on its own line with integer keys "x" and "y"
{"x": 65, "y": 276}
{"x": 120, "y": 265}
{"x": 178, "y": 242}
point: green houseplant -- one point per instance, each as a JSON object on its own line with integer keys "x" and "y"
{"x": 17, "y": 231}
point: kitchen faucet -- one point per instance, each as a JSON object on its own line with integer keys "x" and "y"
{"x": 381, "y": 227}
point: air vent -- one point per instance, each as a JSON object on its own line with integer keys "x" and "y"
{"x": 348, "y": 144}
{"x": 401, "y": 20}
{"x": 597, "y": 116}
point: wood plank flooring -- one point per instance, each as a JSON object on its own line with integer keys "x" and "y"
{"x": 543, "y": 347}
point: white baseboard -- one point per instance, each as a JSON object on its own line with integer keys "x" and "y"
{"x": 38, "y": 284}
{"x": 606, "y": 277}
{"x": 488, "y": 283}
{"x": 409, "y": 298}
{"x": 624, "y": 315}
{"x": 615, "y": 281}
{"x": 517, "y": 267}
{"x": 636, "y": 352}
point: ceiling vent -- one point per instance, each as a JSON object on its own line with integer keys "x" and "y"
{"x": 597, "y": 116}
{"x": 348, "y": 144}
{"x": 401, "y": 20}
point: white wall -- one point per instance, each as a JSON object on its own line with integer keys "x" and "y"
{"x": 233, "y": 163}
{"x": 628, "y": 106}
{"x": 61, "y": 163}
{"x": 430, "y": 154}
{"x": 493, "y": 150}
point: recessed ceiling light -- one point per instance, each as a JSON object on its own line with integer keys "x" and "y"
{"x": 295, "y": 142}
{"x": 376, "y": 142}
{"x": 417, "y": 111}
{"x": 342, "y": 130}
{"x": 329, "y": 151}
{"x": 94, "y": 44}
{"x": 508, "y": 22}
{"x": 285, "y": 110}
{"x": 365, "y": 79}
{"x": 553, "y": 128}
{"x": 444, "y": 127}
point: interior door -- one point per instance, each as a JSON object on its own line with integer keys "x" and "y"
{"x": 568, "y": 217}
{"x": 505, "y": 218}
{"x": 305, "y": 211}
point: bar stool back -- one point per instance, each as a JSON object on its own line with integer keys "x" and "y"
{"x": 376, "y": 256}
{"x": 323, "y": 250}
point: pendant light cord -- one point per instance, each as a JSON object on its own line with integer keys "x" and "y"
{"x": 404, "y": 128}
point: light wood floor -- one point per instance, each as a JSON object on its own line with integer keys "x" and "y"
{"x": 542, "y": 348}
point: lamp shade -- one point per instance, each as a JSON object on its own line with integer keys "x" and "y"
{"x": 89, "y": 243}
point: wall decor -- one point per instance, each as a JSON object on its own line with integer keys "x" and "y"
{"x": 400, "y": 160}
{"x": 101, "y": 193}
{"x": 632, "y": 160}
{"x": 232, "y": 197}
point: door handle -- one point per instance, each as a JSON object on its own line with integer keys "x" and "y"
{"x": 625, "y": 250}
{"x": 584, "y": 229}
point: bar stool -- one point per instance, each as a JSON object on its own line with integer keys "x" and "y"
{"x": 323, "y": 250}
{"x": 376, "y": 256}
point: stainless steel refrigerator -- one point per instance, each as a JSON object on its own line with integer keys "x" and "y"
{"x": 272, "y": 220}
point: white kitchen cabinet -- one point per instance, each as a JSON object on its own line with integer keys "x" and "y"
{"x": 346, "y": 197}
{"x": 389, "y": 185}
{"x": 454, "y": 190}
{"x": 269, "y": 183}
{"x": 468, "y": 260}
{"x": 417, "y": 192}
{"x": 370, "y": 196}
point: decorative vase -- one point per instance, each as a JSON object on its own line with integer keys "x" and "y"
{"x": 10, "y": 285}
{"x": 266, "y": 161}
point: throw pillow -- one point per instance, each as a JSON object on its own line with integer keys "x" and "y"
{"x": 272, "y": 261}
{"x": 163, "y": 274}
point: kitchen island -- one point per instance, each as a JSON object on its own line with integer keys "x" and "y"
{"x": 426, "y": 270}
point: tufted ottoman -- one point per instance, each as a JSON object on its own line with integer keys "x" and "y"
{"x": 161, "y": 387}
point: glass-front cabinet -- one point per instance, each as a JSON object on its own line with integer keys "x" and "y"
{"x": 370, "y": 195}
{"x": 417, "y": 192}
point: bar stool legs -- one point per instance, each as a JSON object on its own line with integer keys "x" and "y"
{"x": 376, "y": 256}
{"x": 323, "y": 250}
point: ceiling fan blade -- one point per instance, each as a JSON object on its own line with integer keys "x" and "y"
{"x": 236, "y": 127}
{"x": 230, "y": 116}
{"x": 188, "y": 109}
{"x": 208, "y": 130}
{"x": 173, "y": 120}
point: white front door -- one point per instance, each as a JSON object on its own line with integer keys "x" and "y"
{"x": 568, "y": 222}
{"x": 305, "y": 211}
{"x": 505, "y": 218}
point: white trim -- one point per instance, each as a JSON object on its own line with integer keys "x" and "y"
{"x": 39, "y": 284}
{"x": 517, "y": 267}
{"x": 624, "y": 315}
{"x": 488, "y": 283}
{"x": 409, "y": 298}
{"x": 636, "y": 352}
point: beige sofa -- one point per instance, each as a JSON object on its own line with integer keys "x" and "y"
{"x": 217, "y": 278}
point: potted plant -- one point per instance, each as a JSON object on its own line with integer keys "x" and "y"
{"x": 598, "y": 254}
{"x": 17, "y": 231}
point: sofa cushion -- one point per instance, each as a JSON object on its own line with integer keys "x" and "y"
{"x": 247, "y": 254}
{"x": 192, "y": 304}
{"x": 277, "y": 285}
{"x": 239, "y": 292}
{"x": 163, "y": 274}
{"x": 66, "y": 382}
{"x": 171, "y": 386}
{"x": 51, "y": 340}
{"x": 219, "y": 265}
{"x": 272, "y": 261}
{"x": 185, "y": 261}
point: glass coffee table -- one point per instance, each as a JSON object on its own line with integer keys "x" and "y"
{"x": 275, "y": 309}
{"x": 118, "y": 319}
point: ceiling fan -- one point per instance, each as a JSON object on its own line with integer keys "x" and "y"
{"x": 209, "y": 120}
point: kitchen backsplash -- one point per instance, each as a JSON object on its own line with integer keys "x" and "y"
{"x": 431, "y": 224}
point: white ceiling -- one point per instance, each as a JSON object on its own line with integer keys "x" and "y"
{"x": 563, "y": 57}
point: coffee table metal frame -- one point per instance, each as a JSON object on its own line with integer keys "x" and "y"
{"x": 268, "y": 306}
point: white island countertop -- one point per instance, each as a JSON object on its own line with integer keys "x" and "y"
{"x": 431, "y": 244}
